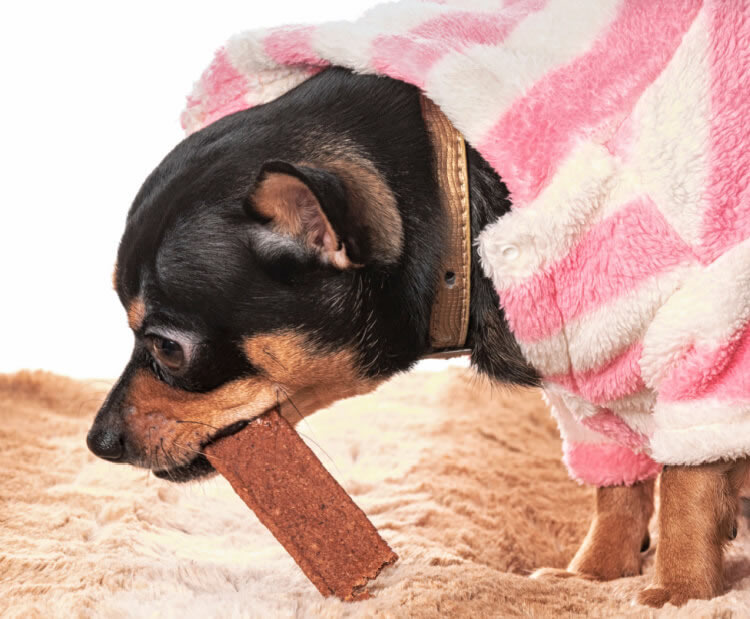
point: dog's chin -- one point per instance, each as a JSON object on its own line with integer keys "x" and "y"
{"x": 199, "y": 467}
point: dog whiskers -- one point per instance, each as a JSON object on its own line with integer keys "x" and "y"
{"x": 170, "y": 461}
{"x": 288, "y": 399}
{"x": 208, "y": 425}
{"x": 155, "y": 451}
{"x": 323, "y": 451}
{"x": 301, "y": 418}
{"x": 273, "y": 357}
{"x": 150, "y": 458}
{"x": 196, "y": 451}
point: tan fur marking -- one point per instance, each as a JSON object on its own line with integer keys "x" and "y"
{"x": 114, "y": 278}
{"x": 367, "y": 193}
{"x": 164, "y": 420}
{"x": 375, "y": 203}
{"x": 310, "y": 379}
{"x": 295, "y": 211}
{"x": 279, "y": 197}
{"x": 697, "y": 512}
{"x": 612, "y": 546}
{"x": 136, "y": 313}
{"x": 168, "y": 425}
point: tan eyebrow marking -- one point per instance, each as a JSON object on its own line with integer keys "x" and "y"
{"x": 136, "y": 313}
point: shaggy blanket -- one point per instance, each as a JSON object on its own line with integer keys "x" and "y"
{"x": 465, "y": 482}
{"x": 622, "y": 130}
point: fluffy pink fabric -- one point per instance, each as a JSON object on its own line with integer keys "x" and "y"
{"x": 619, "y": 378}
{"x": 606, "y": 263}
{"x": 719, "y": 373}
{"x": 610, "y": 425}
{"x": 224, "y": 89}
{"x": 727, "y": 219}
{"x": 410, "y": 56}
{"x": 293, "y": 46}
{"x": 608, "y": 464}
{"x": 577, "y": 97}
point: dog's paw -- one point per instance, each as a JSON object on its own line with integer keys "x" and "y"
{"x": 603, "y": 564}
{"x": 656, "y": 597}
{"x": 544, "y": 573}
{"x": 677, "y": 593}
{"x": 594, "y": 568}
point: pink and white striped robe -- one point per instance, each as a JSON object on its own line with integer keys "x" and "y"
{"x": 622, "y": 129}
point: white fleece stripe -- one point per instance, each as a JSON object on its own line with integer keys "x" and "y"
{"x": 635, "y": 410}
{"x": 246, "y": 51}
{"x": 273, "y": 85}
{"x": 265, "y": 78}
{"x": 599, "y": 336}
{"x": 542, "y": 42}
{"x": 548, "y": 356}
{"x": 637, "y": 407}
{"x": 672, "y": 117}
{"x": 476, "y": 6}
{"x": 703, "y": 443}
{"x": 334, "y": 40}
{"x": 544, "y": 231}
{"x": 697, "y": 413}
{"x": 578, "y": 407}
{"x": 568, "y": 410}
{"x": 594, "y": 339}
{"x": 640, "y": 422}
{"x": 721, "y": 291}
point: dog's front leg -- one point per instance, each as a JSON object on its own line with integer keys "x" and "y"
{"x": 617, "y": 535}
{"x": 697, "y": 517}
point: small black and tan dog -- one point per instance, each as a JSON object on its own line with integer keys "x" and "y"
{"x": 290, "y": 254}
{"x": 287, "y": 254}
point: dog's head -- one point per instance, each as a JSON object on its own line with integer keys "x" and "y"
{"x": 263, "y": 264}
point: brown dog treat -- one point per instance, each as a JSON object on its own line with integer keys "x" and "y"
{"x": 297, "y": 499}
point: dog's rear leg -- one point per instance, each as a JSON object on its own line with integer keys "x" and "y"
{"x": 697, "y": 517}
{"x": 618, "y": 533}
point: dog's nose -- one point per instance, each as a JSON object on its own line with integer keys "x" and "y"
{"x": 106, "y": 443}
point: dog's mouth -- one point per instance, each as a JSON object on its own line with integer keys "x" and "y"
{"x": 200, "y": 466}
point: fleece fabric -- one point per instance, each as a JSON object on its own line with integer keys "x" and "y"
{"x": 622, "y": 130}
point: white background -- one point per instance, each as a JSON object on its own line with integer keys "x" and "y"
{"x": 90, "y": 103}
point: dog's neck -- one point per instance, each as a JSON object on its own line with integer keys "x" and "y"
{"x": 466, "y": 314}
{"x": 494, "y": 350}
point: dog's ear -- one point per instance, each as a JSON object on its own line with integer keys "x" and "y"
{"x": 309, "y": 205}
{"x": 314, "y": 207}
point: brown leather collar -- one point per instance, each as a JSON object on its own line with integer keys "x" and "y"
{"x": 449, "y": 322}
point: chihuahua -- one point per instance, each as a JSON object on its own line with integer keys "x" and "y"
{"x": 289, "y": 255}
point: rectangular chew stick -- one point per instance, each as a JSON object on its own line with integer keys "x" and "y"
{"x": 296, "y": 498}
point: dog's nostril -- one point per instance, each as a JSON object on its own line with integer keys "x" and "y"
{"x": 106, "y": 444}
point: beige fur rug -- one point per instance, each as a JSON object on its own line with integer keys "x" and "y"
{"x": 464, "y": 482}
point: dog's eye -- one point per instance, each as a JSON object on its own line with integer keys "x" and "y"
{"x": 167, "y": 352}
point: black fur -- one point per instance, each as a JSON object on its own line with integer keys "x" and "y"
{"x": 495, "y": 351}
